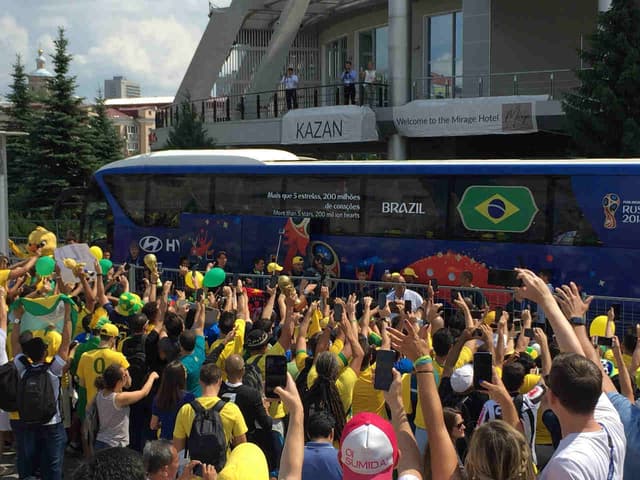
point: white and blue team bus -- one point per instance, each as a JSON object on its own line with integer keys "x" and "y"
{"x": 578, "y": 218}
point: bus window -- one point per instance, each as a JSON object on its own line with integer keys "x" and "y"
{"x": 570, "y": 226}
{"x": 244, "y": 195}
{"x": 499, "y": 209}
{"x": 129, "y": 192}
{"x": 333, "y": 202}
{"x": 405, "y": 206}
{"x": 168, "y": 196}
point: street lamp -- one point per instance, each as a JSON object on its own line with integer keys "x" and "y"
{"x": 4, "y": 192}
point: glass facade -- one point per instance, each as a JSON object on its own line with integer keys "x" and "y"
{"x": 336, "y": 56}
{"x": 444, "y": 55}
{"x": 373, "y": 46}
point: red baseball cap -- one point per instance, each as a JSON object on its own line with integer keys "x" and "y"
{"x": 368, "y": 448}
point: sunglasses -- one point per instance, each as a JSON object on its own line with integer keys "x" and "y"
{"x": 460, "y": 425}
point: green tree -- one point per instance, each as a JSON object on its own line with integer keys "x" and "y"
{"x": 60, "y": 145}
{"x": 21, "y": 117}
{"x": 603, "y": 114}
{"x": 188, "y": 132}
{"x": 105, "y": 143}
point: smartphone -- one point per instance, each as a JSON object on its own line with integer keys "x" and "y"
{"x": 434, "y": 284}
{"x": 454, "y": 294}
{"x": 517, "y": 326}
{"x": 482, "y": 368}
{"x": 407, "y": 306}
{"x": 198, "y": 470}
{"x": 126, "y": 267}
{"x": 499, "y": 311}
{"x": 504, "y": 278}
{"x": 273, "y": 281}
{"x": 382, "y": 300}
{"x": 73, "y": 345}
{"x": 604, "y": 341}
{"x": 384, "y": 365}
{"x": 235, "y": 279}
{"x": 337, "y": 312}
{"x": 275, "y": 374}
{"x": 477, "y": 333}
{"x": 528, "y": 332}
{"x": 616, "y": 310}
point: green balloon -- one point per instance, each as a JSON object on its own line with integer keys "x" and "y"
{"x": 106, "y": 265}
{"x": 45, "y": 266}
{"x": 214, "y": 277}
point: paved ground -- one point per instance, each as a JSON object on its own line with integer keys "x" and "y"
{"x": 8, "y": 465}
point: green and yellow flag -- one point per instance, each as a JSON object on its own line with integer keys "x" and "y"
{"x": 45, "y": 313}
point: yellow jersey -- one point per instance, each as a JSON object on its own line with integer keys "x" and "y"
{"x": 93, "y": 363}
{"x": 232, "y": 419}
{"x": 345, "y": 383}
{"x": 234, "y": 347}
{"x": 276, "y": 410}
{"x": 365, "y": 397}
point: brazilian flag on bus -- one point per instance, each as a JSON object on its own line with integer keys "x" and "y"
{"x": 489, "y": 208}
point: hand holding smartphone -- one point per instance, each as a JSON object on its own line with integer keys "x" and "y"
{"x": 384, "y": 369}
{"x": 382, "y": 301}
{"x": 275, "y": 374}
{"x": 482, "y": 369}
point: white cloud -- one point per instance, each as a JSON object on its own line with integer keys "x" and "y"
{"x": 152, "y": 51}
{"x": 14, "y": 39}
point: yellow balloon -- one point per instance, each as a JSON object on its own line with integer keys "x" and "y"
{"x": 96, "y": 251}
{"x": 598, "y": 326}
{"x": 188, "y": 279}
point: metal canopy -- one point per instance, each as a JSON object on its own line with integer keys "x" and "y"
{"x": 318, "y": 11}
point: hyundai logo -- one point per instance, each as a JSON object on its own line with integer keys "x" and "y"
{"x": 150, "y": 244}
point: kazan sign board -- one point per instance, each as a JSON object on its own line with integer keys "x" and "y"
{"x": 468, "y": 116}
{"x": 339, "y": 124}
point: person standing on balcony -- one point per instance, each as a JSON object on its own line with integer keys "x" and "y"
{"x": 369, "y": 77}
{"x": 348, "y": 78}
{"x": 290, "y": 82}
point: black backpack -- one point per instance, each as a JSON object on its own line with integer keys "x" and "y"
{"x": 137, "y": 358}
{"x": 36, "y": 399}
{"x": 207, "y": 442}
{"x": 252, "y": 375}
{"x": 9, "y": 379}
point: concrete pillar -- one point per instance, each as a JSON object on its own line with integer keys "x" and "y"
{"x": 399, "y": 66}
{"x": 604, "y": 5}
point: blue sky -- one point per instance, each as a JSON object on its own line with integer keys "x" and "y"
{"x": 148, "y": 41}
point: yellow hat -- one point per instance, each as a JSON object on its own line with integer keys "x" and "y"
{"x": 395, "y": 274}
{"x": 409, "y": 272}
{"x": 109, "y": 330}
{"x": 297, "y": 260}
{"x": 246, "y": 461}
{"x": 598, "y": 326}
{"x": 274, "y": 267}
{"x": 489, "y": 318}
{"x": 52, "y": 338}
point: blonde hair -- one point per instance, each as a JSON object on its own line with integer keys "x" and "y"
{"x": 499, "y": 452}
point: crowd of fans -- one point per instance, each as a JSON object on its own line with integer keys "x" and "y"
{"x": 169, "y": 382}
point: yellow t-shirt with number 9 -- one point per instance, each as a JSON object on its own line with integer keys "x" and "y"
{"x": 93, "y": 364}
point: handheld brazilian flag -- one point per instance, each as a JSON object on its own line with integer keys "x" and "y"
{"x": 45, "y": 313}
{"x": 489, "y": 208}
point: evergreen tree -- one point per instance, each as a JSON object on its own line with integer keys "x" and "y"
{"x": 60, "y": 141}
{"x": 105, "y": 143}
{"x": 21, "y": 117}
{"x": 603, "y": 115}
{"x": 188, "y": 131}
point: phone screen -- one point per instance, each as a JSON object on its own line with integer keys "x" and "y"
{"x": 382, "y": 301}
{"x": 604, "y": 341}
{"x": 337, "y": 312}
{"x": 503, "y": 278}
{"x": 273, "y": 281}
{"x": 198, "y": 470}
{"x": 498, "y": 314}
{"x": 528, "y": 332}
{"x": 517, "y": 325}
{"x": 384, "y": 365}
{"x": 275, "y": 374}
{"x": 407, "y": 306}
{"x": 481, "y": 368}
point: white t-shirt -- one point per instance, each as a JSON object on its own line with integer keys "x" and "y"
{"x": 55, "y": 372}
{"x": 369, "y": 76}
{"x": 3, "y": 347}
{"x": 587, "y": 456}
{"x": 416, "y": 299}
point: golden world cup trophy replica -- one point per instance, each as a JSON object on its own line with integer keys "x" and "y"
{"x": 289, "y": 290}
{"x": 151, "y": 262}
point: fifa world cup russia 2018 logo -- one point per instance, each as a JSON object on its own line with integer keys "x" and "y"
{"x": 610, "y": 204}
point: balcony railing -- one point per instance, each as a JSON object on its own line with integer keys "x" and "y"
{"x": 273, "y": 104}
{"x": 553, "y": 83}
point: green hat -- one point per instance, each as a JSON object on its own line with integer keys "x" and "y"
{"x": 129, "y": 304}
{"x": 106, "y": 265}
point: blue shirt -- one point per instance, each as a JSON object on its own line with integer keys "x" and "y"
{"x": 321, "y": 462}
{"x": 168, "y": 418}
{"x": 348, "y": 77}
{"x": 192, "y": 364}
{"x": 630, "y": 418}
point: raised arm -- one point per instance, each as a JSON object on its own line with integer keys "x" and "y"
{"x": 444, "y": 459}
{"x": 351, "y": 332}
{"x": 198, "y": 321}
{"x": 100, "y": 295}
{"x": 293, "y": 451}
{"x": 267, "y": 311}
{"x": 536, "y": 290}
{"x": 410, "y": 462}
{"x": 462, "y": 306}
{"x": 3, "y": 310}
{"x": 63, "y": 351}
{"x": 128, "y": 398}
{"x": 523, "y": 340}
{"x": 545, "y": 353}
{"x": 626, "y": 388}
